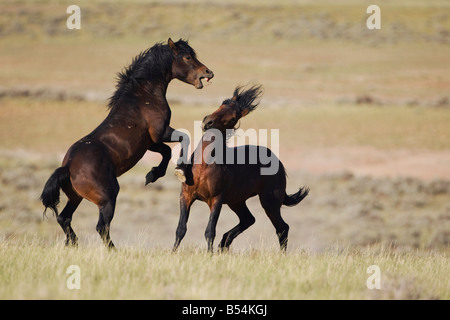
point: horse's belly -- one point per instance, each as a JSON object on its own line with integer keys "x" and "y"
{"x": 238, "y": 196}
{"x": 126, "y": 151}
{"x": 129, "y": 163}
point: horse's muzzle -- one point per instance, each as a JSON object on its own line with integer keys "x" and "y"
{"x": 208, "y": 75}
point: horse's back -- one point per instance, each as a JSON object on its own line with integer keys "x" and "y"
{"x": 123, "y": 142}
{"x": 245, "y": 171}
{"x": 256, "y": 170}
{"x": 257, "y": 160}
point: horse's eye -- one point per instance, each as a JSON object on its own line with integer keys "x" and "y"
{"x": 187, "y": 57}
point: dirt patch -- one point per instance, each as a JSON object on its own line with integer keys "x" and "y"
{"x": 369, "y": 161}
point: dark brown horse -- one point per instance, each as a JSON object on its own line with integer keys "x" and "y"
{"x": 232, "y": 182}
{"x": 138, "y": 121}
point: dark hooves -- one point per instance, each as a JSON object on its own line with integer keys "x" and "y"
{"x": 152, "y": 176}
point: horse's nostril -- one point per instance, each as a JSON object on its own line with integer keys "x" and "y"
{"x": 208, "y": 71}
{"x": 207, "y": 123}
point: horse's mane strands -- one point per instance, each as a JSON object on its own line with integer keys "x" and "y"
{"x": 248, "y": 99}
{"x": 149, "y": 65}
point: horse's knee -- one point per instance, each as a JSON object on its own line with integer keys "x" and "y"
{"x": 250, "y": 220}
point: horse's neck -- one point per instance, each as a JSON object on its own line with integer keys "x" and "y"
{"x": 208, "y": 143}
{"x": 149, "y": 91}
{"x": 149, "y": 98}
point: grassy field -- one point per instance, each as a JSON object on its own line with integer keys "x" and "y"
{"x": 40, "y": 272}
{"x": 363, "y": 119}
{"x": 333, "y": 232}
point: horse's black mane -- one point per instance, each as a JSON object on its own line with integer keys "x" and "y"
{"x": 247, "y": 99}
{"x": 153, "y": 65}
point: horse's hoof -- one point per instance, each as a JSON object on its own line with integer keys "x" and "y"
{"x": 150, "y": 177}
{"x": 180, "y": 175}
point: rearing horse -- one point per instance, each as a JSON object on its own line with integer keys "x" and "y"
{"x": 138, "y": 121}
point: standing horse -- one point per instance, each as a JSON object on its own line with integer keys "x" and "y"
{"x": 233, "y": 183}
{"x": 138, "y": 121}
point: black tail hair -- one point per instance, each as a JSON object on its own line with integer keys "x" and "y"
{"x": 50, "y": 194}
{"x": 294, "y": 199}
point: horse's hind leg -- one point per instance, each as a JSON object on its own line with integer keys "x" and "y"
{"x": 107, "y": 205}
{"x": 65, "y": 218}
{"x": 104, "y": 222}
{"x": 272, "y": 207}
{"x": 93, "y": 177}
{"x": 281, "y": 227}
{"x": 246, "y": 219}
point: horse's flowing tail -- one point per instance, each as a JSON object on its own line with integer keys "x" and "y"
{"x": 294, "y": 199}
{"x": 50, "y": 194}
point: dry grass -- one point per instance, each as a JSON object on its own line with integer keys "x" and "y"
{"x": 32, "y": 270}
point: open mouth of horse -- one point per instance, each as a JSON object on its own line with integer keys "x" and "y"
{"x": 199, "y": 84}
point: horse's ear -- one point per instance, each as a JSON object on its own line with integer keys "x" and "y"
{"x": 172, "y": 45}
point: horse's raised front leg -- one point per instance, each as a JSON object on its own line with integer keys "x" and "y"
{"x": 172, "y": 135}
{"x": 157, "y": 172}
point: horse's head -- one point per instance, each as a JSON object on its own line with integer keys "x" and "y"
{"x": 242, "y": 103}
{"x": 186, "y": 67}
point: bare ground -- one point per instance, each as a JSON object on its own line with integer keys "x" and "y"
{"x": 369, "y": 161}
